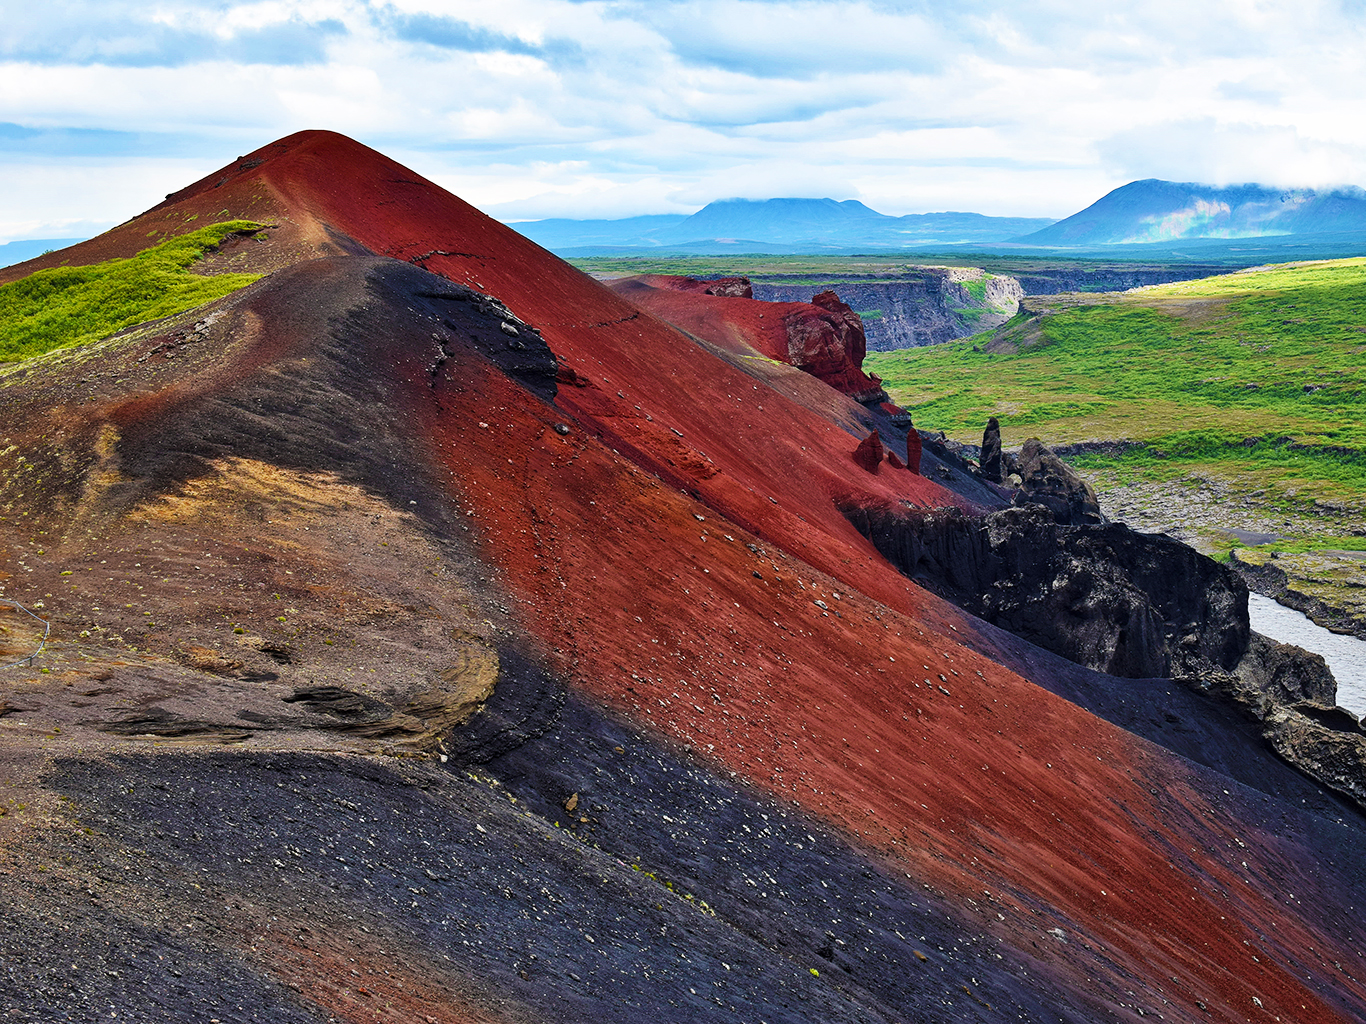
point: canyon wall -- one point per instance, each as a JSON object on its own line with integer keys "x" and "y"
{"x": 1088, "y": 277}
{"x": 927, "y": 306}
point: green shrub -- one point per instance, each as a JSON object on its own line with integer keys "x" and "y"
{"x": 66, "y": 306}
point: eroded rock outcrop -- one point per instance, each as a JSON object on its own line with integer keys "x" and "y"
{"x": 1126, "y": 603}
{"x": 1048, "y": 481}
{"x": 914, "y": 449}
{"x": 1037, "y": 476}
{"x": 898, "y": 416}
{"x": 1132, "y": 605}
{"x": 1333, "y": 752}
{"x": 1286, "y": 674}
{"x": 870, "y": 452}
{"x": 726, "y": 287}
{"x": 825, "y": 339}
{"x": 1292, "y": 693}
{"x": 730, "y": 287}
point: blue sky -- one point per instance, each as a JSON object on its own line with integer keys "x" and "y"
{"x": 609, "y": 108}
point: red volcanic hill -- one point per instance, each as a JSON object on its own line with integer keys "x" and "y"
{"x": 439, "y": 634}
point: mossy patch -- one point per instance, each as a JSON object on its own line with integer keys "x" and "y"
{"x": 66, "y": 306}
{"x": 976, "y": 288}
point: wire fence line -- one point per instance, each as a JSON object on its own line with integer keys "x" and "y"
{"x": 47, "y": 631}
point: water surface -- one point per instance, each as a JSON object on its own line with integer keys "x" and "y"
{"x": 1346, "y": 655}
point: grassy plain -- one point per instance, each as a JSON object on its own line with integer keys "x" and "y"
{"x": 784, "y": 269}
{"x": 66, "y": 306}
{"x": 1259, "y": 372}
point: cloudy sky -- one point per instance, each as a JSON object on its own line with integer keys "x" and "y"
{"x": 611, "y": 108}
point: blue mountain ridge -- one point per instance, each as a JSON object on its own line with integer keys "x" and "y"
{"x": 1150, "y": 218}
{"x": 818, "y": 223}
{"x": 17, "y": 252}
{"x": 1151, "y": 214}
{"x": 1155, "y": 211}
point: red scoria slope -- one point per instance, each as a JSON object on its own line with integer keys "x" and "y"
{"x": 824, "y": 338}
{"x": 679, "y": 555}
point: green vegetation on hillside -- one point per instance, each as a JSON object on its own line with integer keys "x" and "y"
{"x": 977, "y": 287}
{"x": 1257, "y": 371}
{"x": 64, "y": 306}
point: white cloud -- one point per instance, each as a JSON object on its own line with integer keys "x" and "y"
{"x": 618, "y": 107}
{"x": 82, "y": 197}
{"x": 1225, "y": 154}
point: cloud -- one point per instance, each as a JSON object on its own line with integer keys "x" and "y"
{"x": 1251, "y": 91}
{"x": 1225, "y": 154}
{"x": 450, "y": 33}
{"x": 801, "y": 40}
{"x": 567, "y": 107}
{"x": 127, "y": 35}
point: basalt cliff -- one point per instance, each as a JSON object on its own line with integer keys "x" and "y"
{"x": 437, "y": 634}
{"x": 921, "y": 306}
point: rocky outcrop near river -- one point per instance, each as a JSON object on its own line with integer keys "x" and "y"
{"x": 1103, "y": 596}
{"x": 1270, "y": 579}
{"x": 1132, "y": 605}
{"x": 1124, "y": 602}
{"x": 1291, "y": 694}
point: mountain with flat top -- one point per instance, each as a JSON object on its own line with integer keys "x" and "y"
{"x": 438, "y": 634}
{"x": 776, "y": 225}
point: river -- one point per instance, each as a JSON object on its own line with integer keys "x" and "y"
{"x": 1346, "y": 655}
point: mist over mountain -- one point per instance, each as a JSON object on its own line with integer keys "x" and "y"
{"x": 1153, "y": 210}
{"x": 796, "y": 225}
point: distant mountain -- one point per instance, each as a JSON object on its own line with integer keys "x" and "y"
{"x": 784, "y": 220}
{"x": 1152, "y": 210}
{"x": 17, "y": 252}
{"x": 795, "y": 225}
{"x": 561, "y": 233}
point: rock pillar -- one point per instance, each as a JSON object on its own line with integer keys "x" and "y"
{"x": 990, "y": 460}
{"x": 913, "y": 449}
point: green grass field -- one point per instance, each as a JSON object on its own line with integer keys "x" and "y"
{"x": 66, "y": 306}
{"x": 781, "y": 269}
{"x": 1258, "y": 375}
